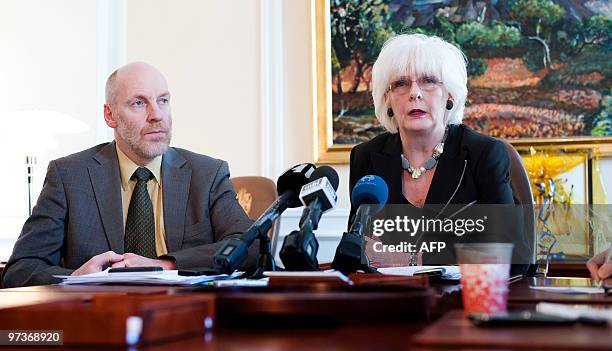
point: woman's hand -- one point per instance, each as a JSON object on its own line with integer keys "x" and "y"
{"x": 599, "y": 268}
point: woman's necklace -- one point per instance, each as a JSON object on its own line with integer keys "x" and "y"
{"x": 430, "y": 163}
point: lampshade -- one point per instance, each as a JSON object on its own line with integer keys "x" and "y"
{"x": 33, "y": 132}
{"x": 43, "y": 122}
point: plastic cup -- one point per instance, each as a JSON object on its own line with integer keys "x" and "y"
{"x": 485, "y": 270}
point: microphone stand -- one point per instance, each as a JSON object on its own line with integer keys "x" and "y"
{"x": 300, "y": 247}
{"x": 350, "y": 253}
{"x": 30, "y": 163}
{"x": 265, "y": 262}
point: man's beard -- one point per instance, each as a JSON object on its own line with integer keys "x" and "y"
{"x": 134, "y": 139}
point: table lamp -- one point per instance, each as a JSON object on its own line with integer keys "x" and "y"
{"x": 33, "y": 132}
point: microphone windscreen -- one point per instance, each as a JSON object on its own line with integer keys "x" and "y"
{"x": 294, "y": 179}
{"x": 370, "y": 189}
{"x": 326, "y": 171}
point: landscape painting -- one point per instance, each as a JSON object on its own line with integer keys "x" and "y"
{"x": 539, "y": 70}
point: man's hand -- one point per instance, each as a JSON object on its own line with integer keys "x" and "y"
{"x": 133, "y": 260}
{"x": 600, "y": 270}
{"x": 96, "y": 263}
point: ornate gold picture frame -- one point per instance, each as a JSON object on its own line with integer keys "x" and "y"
{"x": 327, "y": 150}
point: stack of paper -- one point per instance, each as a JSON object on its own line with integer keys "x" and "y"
{"x": 451, "y": 272}
{"x": 167, "y": 277}
{"x": 305, "y": 275}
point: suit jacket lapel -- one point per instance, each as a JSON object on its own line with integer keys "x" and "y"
{"x": 448, "y": 172}
{"x": 175, "y": 187}
{"x": 388, "y": 165}
{"x": 106, "y": 182}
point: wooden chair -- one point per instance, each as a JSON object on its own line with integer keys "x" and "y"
{"x": 255, "y": 194}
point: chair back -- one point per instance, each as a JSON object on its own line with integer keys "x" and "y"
{"x": 522, "y": 191}
{"x": 255, "y": 194}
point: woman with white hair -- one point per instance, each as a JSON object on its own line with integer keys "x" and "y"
{"x": 427, "y": 156}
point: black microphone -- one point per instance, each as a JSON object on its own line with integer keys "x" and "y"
{"x": 300, "y": 247}
{"x": 319, "y": 195}
{"x": 234, "y": 252}
{"x": 369, "y": 196}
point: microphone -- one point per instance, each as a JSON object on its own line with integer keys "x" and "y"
{"x": 300, "y": 247}
{"x": 319, "y": 195}
{"x": 234, "y": 252}
{"x": 369, "y": 195}
{"x": 370, "y": 190}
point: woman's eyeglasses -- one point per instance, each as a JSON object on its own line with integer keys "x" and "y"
{"x": 403, "y": 85}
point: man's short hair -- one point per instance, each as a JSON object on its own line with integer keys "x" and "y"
{"x": 111, "y": 88}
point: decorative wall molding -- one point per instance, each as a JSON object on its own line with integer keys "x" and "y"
{"x": 111, "y": 37}
{"x": 272, "y": 88}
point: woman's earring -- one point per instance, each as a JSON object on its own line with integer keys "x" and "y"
{"x": 390, "y": 112}
{"x": 449, "y": 104}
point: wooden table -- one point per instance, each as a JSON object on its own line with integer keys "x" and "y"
{"x": 375, "y": 331}
{"x": 454, "y": 330}
{"x": 521, "y": 294}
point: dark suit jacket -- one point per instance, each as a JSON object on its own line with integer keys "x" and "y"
{"x": 79, "y": 214}
{"x": 473, "y": 167}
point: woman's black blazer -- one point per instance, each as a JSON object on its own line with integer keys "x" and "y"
{"x": 473, "y": 167}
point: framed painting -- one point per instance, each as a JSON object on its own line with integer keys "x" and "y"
{"x": 539, "y": 71}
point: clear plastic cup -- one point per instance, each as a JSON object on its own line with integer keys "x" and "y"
{"x": 485, "y": 270}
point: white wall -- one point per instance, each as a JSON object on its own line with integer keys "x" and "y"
{"x": 48, "y": 62}
{"x": 213, "y": 69}
{"x": 209, "y": 52}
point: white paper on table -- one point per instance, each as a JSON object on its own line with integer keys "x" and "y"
{"x": 242, "y": 282}
{"x": 575, "y": 311}
{"x": 452, "y": 272}
{"x": 328, "y": 274}
{"x": 569, "y": 289}
{"x": 166, "y": 277}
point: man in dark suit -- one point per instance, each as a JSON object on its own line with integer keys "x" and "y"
{"x": 129, "y": 203}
